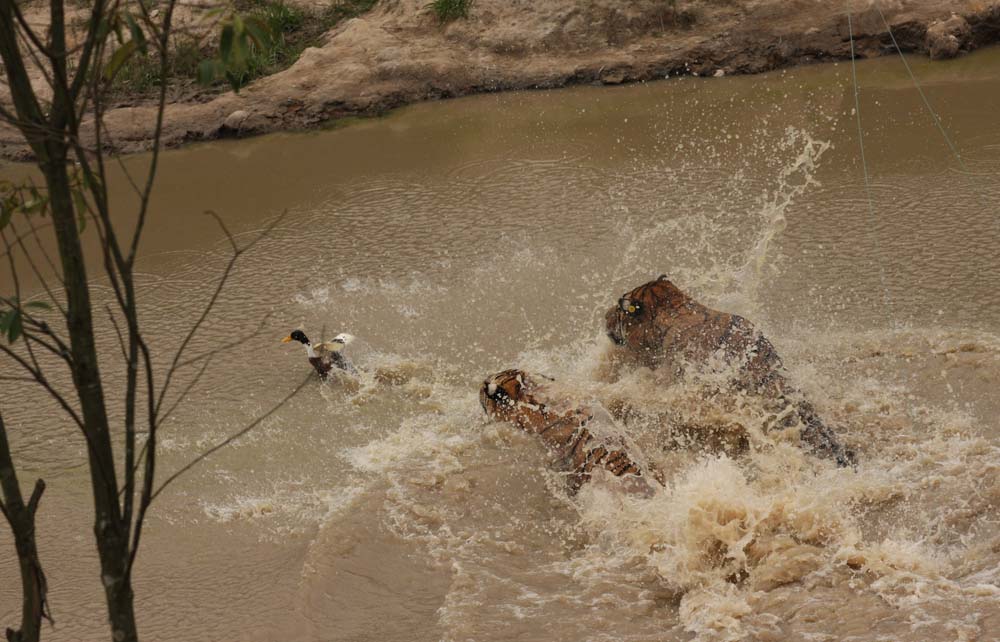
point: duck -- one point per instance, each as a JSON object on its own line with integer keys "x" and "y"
{"x": 325, "y": 356}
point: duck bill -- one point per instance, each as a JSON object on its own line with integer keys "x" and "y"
{"x": 287, "y": 339}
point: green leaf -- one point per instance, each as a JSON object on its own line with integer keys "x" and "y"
{"x": 258, "y": 32}
{"x": 238, "y": 52}
{"x": 234, "y": 81}
{"x": 116, "y": 24}
{"x": 14, "y": 326}
{"x": 35, "y": 205}
{"x": 82, "y": 208}
{"x": 241, "y": 53}
{"x": 237, "y": 24}
{"x": 103, "y": 30}
{"x": 137, "y": 35}
{"x": 210, "y": 70}
{"x": 226, "y": 43}
{"x": 4, "y": 321}
{"x": 118, "y": 59}
{"x": 5, "y": 213}
{"x": 38, "y": 305}
{"x": 90, "y": 181}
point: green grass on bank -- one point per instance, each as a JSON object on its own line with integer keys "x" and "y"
{"x": 448, "y": 10}
{"x": 292, "y": 29}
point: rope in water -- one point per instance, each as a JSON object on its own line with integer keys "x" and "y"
{"x": 864, "y": 166}
{"x": 937, "y": 120}
{"x": 927, "y": 104}
{"x": 923, "y": 96}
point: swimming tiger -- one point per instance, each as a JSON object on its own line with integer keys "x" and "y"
{"x": 660, "y": 327}
{"x": 516, "y": 397}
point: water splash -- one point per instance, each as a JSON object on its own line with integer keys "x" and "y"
{"x": 794, "y": 180}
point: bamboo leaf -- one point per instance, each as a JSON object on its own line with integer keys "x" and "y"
{"x": 226, "y": 43}
{"x": 237, "y": 25}
{"x": 14, "y": 326}
{"x": 116, "y": 24}
{"x": 90, "y": 181}
{"x": 38, "y": 305}
{"x": 137, "y": 35}
{"x": 118, "y": 59}
{"x": 209, "y": 70}
{"x": 5, "y": 213}
{"x": 241, "y": 53}
{"x": 35, "y": 205}
{"x": 258, "y": 32}
{"x": 82, "y": 208}
{"x": 103, "y": 29}
{"x": 234, "y": 81}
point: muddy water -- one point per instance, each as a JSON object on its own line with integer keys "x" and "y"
{"x": 459, "y": 238}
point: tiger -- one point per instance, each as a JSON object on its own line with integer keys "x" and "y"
{"x": 658, "y": 326}
{"x": 519, "y": 398}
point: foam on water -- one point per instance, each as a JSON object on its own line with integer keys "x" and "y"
{"x": 388, "y": 508}
{"x": 741, "y": 542}
{"x": 731, "y": 542}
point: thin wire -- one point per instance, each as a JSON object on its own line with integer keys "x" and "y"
{"x": 927, "y": 103}
{"x": 864, "y": 166}
{"x": 975, "y": 189}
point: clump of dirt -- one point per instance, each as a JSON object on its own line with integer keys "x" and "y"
{"x": 399, "y": 52}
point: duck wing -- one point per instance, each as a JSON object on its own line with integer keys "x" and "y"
{"x": 335, "y": 344}
{"x": 330, "y": 353}
{"x": 328, "y": 347}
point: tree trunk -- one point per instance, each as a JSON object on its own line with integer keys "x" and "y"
{"x": 110, "y": 531}
{"x": 47, "y": 131}
{"x": 22, "y": 522}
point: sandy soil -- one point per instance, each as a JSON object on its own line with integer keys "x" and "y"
{"x": 398, "y": 53}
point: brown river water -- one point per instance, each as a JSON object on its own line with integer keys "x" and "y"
{"x": 459, "y": 238}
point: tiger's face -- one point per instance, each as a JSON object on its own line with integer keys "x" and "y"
{"x": 517, "y": 398}
{"x": 631, "y": 321}
{"x": 503, "y": 393}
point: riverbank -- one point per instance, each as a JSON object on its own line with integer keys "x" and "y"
{"x": 399, "y": 53}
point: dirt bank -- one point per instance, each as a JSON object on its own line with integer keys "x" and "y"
{"x": 399, "y": 53}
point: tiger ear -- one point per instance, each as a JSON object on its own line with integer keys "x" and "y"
{"x": 662, "y": 277}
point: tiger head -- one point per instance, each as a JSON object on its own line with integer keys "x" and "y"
{"x": 633, "y": 322}
{"x": 503, "y": 394}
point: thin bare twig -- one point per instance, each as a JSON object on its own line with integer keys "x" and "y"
{"x": 29, "y": 32}
{"x": 40, "y": 379}
{"x": 21, "y": 379}
{"x": 31, "y": 262}
{"x": 20, "y": 237}
{"x": 228, "y": 440}
{"x": 118, "y": 331}
{"x": 41, "y": 248}
{"x": 187, "y": 389}
{"x": 226, "y": 346}
{"x": 237, "y": 252}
